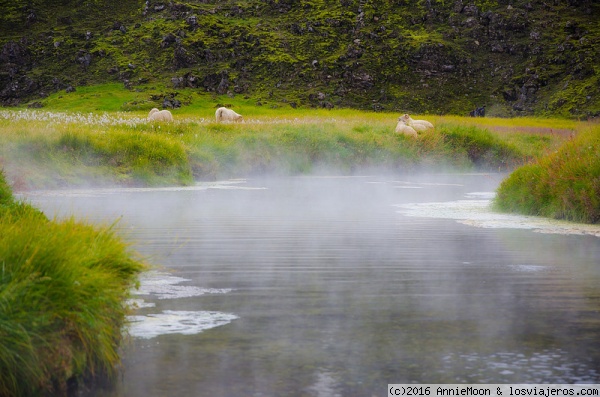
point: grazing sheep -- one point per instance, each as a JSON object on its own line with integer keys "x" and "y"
{"x": 225, "y": 114}
{"x": 419, "y": 125}
{"x": 160, "y": 115}
{"x": 403, "y": 128}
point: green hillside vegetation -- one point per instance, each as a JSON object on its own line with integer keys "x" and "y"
{"x": 521, "y": 57}
{"x": 62, "y": 290}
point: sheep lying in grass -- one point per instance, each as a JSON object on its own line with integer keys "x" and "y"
{"x": 160, "y": 115}
{"x": 403, "y": 128}
{"x": 225, "y": 114}
{"x": 419, "y": 125}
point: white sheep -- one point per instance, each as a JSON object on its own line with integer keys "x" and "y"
{"x": 419, "y": 125}
{"x": 225, "y": 114}
{"x": 403, "y": 128}
{"x": 160, "y": 115}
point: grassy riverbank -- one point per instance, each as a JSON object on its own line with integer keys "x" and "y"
{"x": 563, "y": 185}
{"x": 41, "y": 149}
{"x": 62, "y": 290}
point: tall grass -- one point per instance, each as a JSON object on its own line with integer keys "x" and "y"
{"x": 6, "y": 195}
{"x": 297, "y": 148}
{"x": 481, "y": 147}
{"x": 562, "y": 185}
{"x": 53, "y": 150}
{"x": 62, "y": 290}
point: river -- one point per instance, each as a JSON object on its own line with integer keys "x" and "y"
{"x": 337, "y": 286}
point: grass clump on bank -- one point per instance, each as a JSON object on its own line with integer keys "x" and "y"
{"x": 562, "y": 185}
{"x": 49, "y": 150}
{"x": 62, "y": 290}
{"x": 481, "y": 147}
{"x": 133, "y": 155}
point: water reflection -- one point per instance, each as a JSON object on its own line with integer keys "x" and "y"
{"x": 538, "y": 367}
{"x": 335, "y": 291}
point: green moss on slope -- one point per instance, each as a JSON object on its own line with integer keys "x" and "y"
{"x": 436, "y": 56}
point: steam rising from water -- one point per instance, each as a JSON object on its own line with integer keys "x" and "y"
{"x": 337, "y": 293}
{"x": 476, "y": 211}
{"x": 232, "y": 184}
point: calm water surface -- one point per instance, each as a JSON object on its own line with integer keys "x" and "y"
{"x": 327, "y": 286}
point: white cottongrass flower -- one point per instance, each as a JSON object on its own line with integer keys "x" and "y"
{"x": 104, "y": 119}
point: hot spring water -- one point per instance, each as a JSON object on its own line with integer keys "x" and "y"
{"x": 337, "y": 286}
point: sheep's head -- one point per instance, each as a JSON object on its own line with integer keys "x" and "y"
{"x": 405, "y": 118}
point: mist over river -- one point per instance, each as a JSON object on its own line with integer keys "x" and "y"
{"x": 337, "y": 286}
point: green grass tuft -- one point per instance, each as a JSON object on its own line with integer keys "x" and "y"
{"x": 62, "y": 290}
{"x": 6, "y": 196}
{"x": 562, "y": 185}
{"x": 481, "y": 147}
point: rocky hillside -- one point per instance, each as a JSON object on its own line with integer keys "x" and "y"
{"x": 517, "y": 57}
